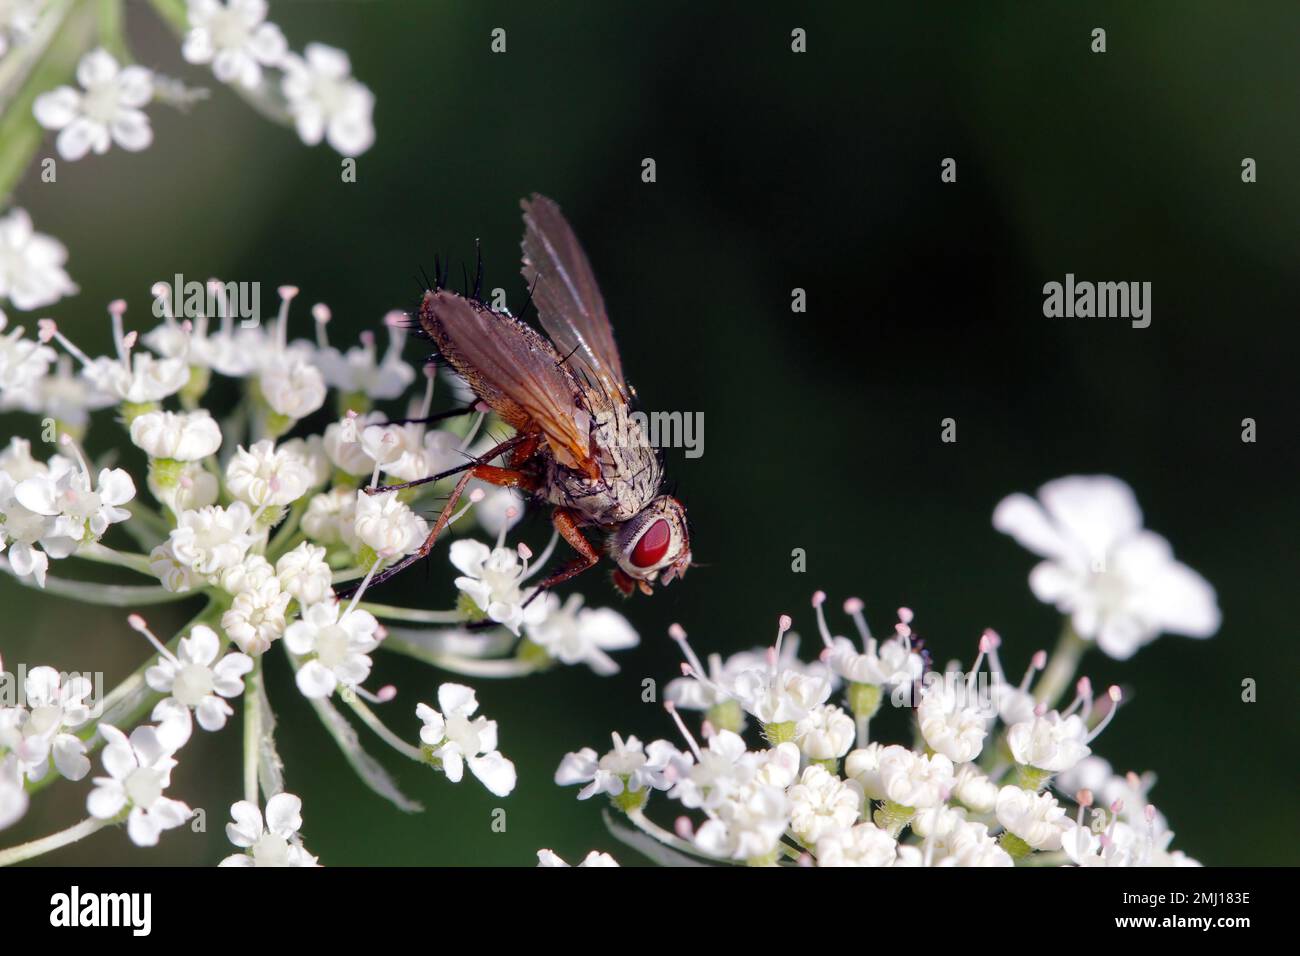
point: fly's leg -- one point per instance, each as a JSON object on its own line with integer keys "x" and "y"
{"x": 566, "y": 524}
{"x": 505, "y": 477}
{"x": 501, "y": 449}
{"x": 436, "y": 417}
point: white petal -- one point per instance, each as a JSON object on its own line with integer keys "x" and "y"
{"x": 315, "y": 680}
{"x": 131, "y": 130}
{"x": 57, "y": 108}
{"x": 1024, "y": 519}
{"x": 1097, "y": 510}
{"x": 212, "y": 713}
{"x": 96, "y": 68}
{"x": 457, "y": 699}
{"x": 284, "y": 814}
{"x": 106, "y": 801}
{"x": 495, "y": 772}
{"x": 247, "y": 827}
{"x": 143, "y": 828}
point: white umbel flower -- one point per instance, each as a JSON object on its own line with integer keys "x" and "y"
{"x": 292, "y": 386}
{"x": 863, "y": 845}
{"x": 387, "y": 525}
{"x": 23, "y": 364}
{"x": 337, "y": 643}
{"x": 949, "y": 722}
{"x": 326, "y": 102}
{"x": 975, "y": 790}
{"x": 212, "y": 539}
{"x": 630, "y": 766}
{"x": 1119, "y": 584}
{"x": 331, "y": 517}
{"x": 31, "y": 264}
{"x": 827, "y": 733}
{"x": 197, "y": 681}
{"x": 139, "y": 771}
{"x": 573, "y": 634}
{"x": 822, "y": 804}
{"x": 83, "y": 510}
{"x": 1049, "y": 742}
{"x": 104, "y": 111}
{"x": 1035, "y": 818}
{"x": 265, "y": 475}
{"x": 493, "y": 579}
{"x": 274, "y": 842}
{"x": 256, "y": 616}
{"x": 234, "y": 38}
{"x": 181, "y": 436}
{"x": 456, "y": 739}
{"x": 914, "y": 780}
{"x": 747, "y": 825}
{"x": 42, "y": 733}
{"x": 304, "y": 574}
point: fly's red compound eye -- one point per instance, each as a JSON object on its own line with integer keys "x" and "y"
{"x": 653, "y": 545}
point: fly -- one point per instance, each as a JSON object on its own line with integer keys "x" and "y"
{"x": 577, "y": 447}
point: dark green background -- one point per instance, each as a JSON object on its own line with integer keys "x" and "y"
{"x": 778, "y": 170}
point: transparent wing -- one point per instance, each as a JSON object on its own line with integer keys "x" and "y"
{"x": 568, "y": 300}
{"x": 514, "y": 369}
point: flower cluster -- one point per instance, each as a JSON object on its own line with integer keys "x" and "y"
{"x": 315, "y": 92}
{"x": 273, "y": 520}
{"x": 996, "y": 773}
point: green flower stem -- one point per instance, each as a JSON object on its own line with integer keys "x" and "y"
{"x": 107, "y": 595}
{"x": 1061, "y": 666}
{"x": 368, "y": 718}
{"x": 54, "y": 841}
{"x": 653, "y": 830}
{"x": 66, "y": 32}
{"x": 112, "y": 36}
{"x": 287, "y": 536}
{"x": 123, "y": 559}
{"x": 459, "y": 664}
{"x": 252, "y": 730}
{"x": 412, "y": 615}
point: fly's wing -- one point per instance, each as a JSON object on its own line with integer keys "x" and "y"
{"x": 515, "y": 370}
{"x": 568, "y": 300}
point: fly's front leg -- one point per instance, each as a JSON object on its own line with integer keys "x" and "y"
{"x": 566, "y": 523}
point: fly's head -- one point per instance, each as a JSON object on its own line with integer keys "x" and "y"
{"x": 654, "y": 546}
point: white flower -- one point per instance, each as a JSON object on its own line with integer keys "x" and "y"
{"x": 13, "y": 795}
{"x": 975, "y": 790}
{"x": 17, "y": 462}
{"x": 212, "y": 539}
{"x": 274, "y": 844}
{"x": 139, "y": 770}
{"x": 910, "y": 779}
{"x": 455, "y": 737}
{"x": 948, "y": 724}
{"x": 252, "y": 572}
{"x": 342, "y": 443}
{"x": 863, "y": 845}
{"x": 136, "y": 378}
{"x": 23, "y": 529}
{"x": 311, "y": 452}
{"x": 822, "y": 804}
{"x": 190, "y": 488}
{"x": 196, "y": 681}
{"x": 408, "y": 452}
{"x": 304, "y": 574}
{"x": 361, "y": 370}
{"x": 594, "y": 858}
{"x": 969, "y": 844}
{"x": 326, "y": 102}
{"x": 501, "y": 508}
{"x": 1050, "y": 742}
{"x": 184, "y": 436}
{"x": 234, "y": 38}
{"x": 31, "y": 264}
{"x": 631, "y": 766}
{"x": 172, "y": 574}
{"x": 387, "y": 525}
{"x": 82, "y": 511}
{"x": 292, "y": 386}
{"x": 780, "y": 696}
{"x": 256, "y": 616}
{"x": 105, "y": 111}
{"x": 23, "y": 363}
{"x": 42, "y": 730}
{"x": 1119, "y": 584}
{"x": 493, "y": 578}
{"x": 826, "y": 733}
{"x": 574, "y": 634}
{"x": 1035, "y": 818}
{"x": 893, "y": 662}
{"x": 747, "y": 825}
{"x": 266, "y": 475}
{"x": 331, "y": 517}
{"x": 338, "y": 643}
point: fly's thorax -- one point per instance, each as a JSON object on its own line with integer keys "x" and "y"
{"x": 630, "y": 471}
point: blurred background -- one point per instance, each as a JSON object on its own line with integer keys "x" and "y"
{"x": 776, "y": 171}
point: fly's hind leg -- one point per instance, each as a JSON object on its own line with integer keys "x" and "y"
{"x": 510, "y": 443}
{"x": 504, "y": 477}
